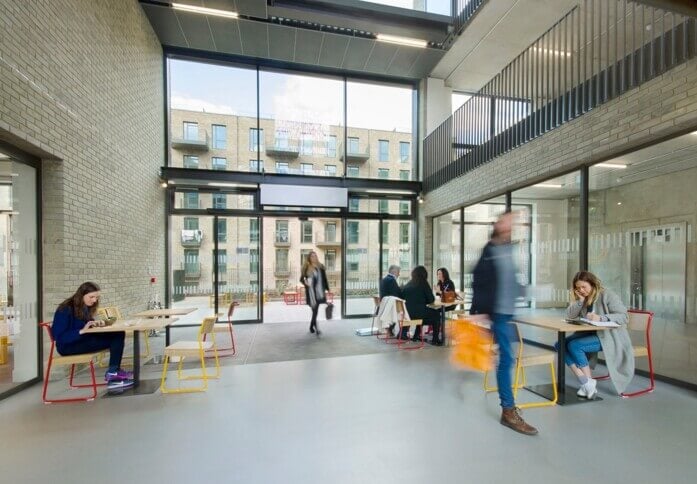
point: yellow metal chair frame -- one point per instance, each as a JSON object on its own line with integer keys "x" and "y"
{"x": 114, "y": 312}
{"x": 195, "y": 349}
{"x": 523, "y": 361}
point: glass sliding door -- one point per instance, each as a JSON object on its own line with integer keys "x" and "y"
{"x": 238, "y": 261}
{"x": 362, "y": 266}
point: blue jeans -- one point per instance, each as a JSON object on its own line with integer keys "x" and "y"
{"x": 504, "y": 333}
{"x": 89, "y": 343}
{"x": 577, "y": 347}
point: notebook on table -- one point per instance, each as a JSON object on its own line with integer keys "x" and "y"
{"x": 599, "y": 324}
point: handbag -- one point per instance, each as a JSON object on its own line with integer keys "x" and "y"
{"x": 329, "y": 311}
{"x": 448, "y": 296}
{"x": 472, "y": 346}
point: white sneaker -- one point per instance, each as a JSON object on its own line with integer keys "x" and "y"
{"x": 590, "y": 388}
{"x": 582, "y": 391}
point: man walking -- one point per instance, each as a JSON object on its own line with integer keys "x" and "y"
{"x": 495, "y": 289}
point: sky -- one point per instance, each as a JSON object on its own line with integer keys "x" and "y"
{"x": 290, "y": 97}
{"x": 434, "y": 6}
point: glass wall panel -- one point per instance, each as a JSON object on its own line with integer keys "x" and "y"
{"x": 302, "y": 117}
{"x": 18, "y": 274}
{"x": 380, "y": 140}
{"x": 195, "y": 200}
{"x": 212, "y": 110}
{"x": 446, "y": 246}
{"x": 477, "y": 227}
{"x": 547, "y": 237}
{"x": 362, "y": 267}
{"x": 287, "y": 241}
{"x": 642, "y": 214}
{"x": 441, "y": 7}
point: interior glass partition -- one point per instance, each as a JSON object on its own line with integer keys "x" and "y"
{"x": 18, "y": 274}
{"x": 361, "y": 264}
{"x": 447, "y": 248}
{"x": 641, "y": 244}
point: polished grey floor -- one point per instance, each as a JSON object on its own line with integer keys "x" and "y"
{"x": 389, "y": 416}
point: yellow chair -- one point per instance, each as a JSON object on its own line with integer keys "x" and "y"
{"x": 107, "y": 312}
{"x": 194, "y": 349}
{"x": 526, "y": 358}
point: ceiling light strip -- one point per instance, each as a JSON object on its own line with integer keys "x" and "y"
{"x": 394, "y": 39}
{"x": 204, "y": 10}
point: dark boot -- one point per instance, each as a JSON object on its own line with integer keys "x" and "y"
{"x": 417, "y": 334}
{"x": 390, "y": 330}
{"x": 510, "y": 417}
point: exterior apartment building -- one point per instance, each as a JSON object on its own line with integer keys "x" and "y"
{"x": 212, "y": 141}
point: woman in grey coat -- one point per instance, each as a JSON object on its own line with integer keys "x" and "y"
{"x": 592, "y": 301}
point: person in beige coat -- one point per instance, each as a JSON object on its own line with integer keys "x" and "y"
{"x": 592, "y": 301}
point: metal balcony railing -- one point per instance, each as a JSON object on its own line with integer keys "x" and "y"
{"x": 324, "y": 239}
{"x": 191, "y": 238}
{"x": 192, "y": 269}
{"x": 186, "y": 141}
{"x": 358, "y": 153}
{"x": 284, "y": 147}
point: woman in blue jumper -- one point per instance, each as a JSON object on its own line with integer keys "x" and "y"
{"x": 78, "y": 313}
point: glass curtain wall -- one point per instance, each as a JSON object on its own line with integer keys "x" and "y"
{"x": 18, "y": 273}
{"x": 301, "y": 122}
{"x": 361, "y": 265}
{"x": 379, "y": 134}
{"x": 213, "y": 116}
{"x": 641, "y": 219}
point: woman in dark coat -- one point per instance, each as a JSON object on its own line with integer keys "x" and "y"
{"x": 314, "y": 277}
{"x": 418, "y": 293}
{"x": 445, "y": 284}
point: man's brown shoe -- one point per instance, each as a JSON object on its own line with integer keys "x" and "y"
{"x": 510, "y": 417}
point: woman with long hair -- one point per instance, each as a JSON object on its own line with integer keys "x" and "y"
{"x": 418, "y": 293}
{"x": 592, "y": 301}
{"x": 78, "y": 313}
{"x": 314, "y": 277}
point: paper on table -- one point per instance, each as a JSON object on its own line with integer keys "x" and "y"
{"x": 599, "y": 324}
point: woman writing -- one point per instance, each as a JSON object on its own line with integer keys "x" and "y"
{"x": 78, "y": 313}
{"x": 592, "y": 301}
{"x": 314, "y": 277}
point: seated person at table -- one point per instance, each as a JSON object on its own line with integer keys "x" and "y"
{"x": 445, "y": 284}
{"x": 77, "y": 313}
{"x": 592, "y": 301}
{"x": 389, "y": 285}
{"x": 418, "y": 293}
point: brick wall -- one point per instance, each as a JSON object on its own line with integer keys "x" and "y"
{"x": 81, "y": 87}
{"x": 663, "y": 107}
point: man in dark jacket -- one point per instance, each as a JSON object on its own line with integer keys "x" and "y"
{"x": 494, "y": 292}
{"x": 389, "y": 285}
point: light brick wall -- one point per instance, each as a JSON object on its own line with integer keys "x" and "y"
{"x": 81, "y": 86}
{"x": 663, "y": 107}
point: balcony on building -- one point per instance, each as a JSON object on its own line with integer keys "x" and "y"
{"x": 197, "y": 141}
{"x": 282, "y": 239}
{"x": 356, "y": 151}
{"x": 284, "y": 148}
{"x": 323, "y": 239}
{"x": 281, "y": 270}
{"x": 192, "y": 270}
{"x": 192, "y": 238}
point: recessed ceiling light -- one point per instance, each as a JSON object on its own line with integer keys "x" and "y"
{"x": 204, "y": 10}
{"x": 394, "y": 39}
{"x": 548, "y": 185}
{"x": 619, "y": 203}
{"x": 620, "y": 166}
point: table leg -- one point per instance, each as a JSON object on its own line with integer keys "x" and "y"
{"x": 442, "y": 324}
{"x": 136, "y": 359}
{"x": 561, "y": 367}
{"x": 140, "y": 387}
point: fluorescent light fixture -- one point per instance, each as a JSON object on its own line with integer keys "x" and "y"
{"x": 548, "y": 185}
{"x": 388, "y": 192}
{"x": 620, "y": 166}
{"x": 554, "y": 52}
{"x": 206, "y": 11}
{"x": 394, "y": 39}
{"x": 230, "y": 185}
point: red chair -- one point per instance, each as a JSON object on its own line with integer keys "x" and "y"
{"x": 640, "y": 321}
{"x": 72, "y": 360}
{"x": 225, "y": 327}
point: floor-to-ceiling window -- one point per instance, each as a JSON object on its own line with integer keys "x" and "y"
{"x": 18, "y": 274}
{"x": 447, "y": 250}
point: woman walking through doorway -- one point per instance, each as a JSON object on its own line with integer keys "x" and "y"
{"x": 314, "y": 277}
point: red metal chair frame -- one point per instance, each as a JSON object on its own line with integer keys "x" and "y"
{"x": 652, "y": 382}
{"x": 230, "y": 310}
{"x": 93, "y": 385}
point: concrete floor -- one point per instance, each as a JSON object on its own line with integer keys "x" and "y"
{"x": 390, "y": 416}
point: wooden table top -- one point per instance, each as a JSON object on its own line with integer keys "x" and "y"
{"x": 555, "y": 323}
{"x": 139, "y": 324}
{"x": 163, "y": 313}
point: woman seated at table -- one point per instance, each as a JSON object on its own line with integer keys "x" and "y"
{"x": 78, "y": 313}
{"x": 445, "y": 284}
{"x": 592, "y": 301}
{"x": 418, "y": 293}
